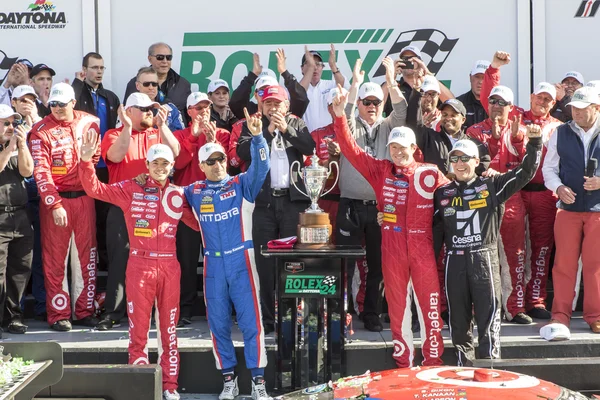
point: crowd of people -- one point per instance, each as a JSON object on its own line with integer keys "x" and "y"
{"x": 460, "y": 201}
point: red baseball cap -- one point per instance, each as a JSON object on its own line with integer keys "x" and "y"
{"x": 274, "y": 92}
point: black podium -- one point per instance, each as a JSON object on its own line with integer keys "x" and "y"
{"x": 311, "y": 314}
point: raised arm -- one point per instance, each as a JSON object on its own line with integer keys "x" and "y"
{"x": 253, "y": 179}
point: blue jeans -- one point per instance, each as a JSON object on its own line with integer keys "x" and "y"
{"x": 37, "y": 273}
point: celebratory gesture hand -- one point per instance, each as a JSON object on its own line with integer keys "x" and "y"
{"x": 89, "y": 145}
{"x": 253, "y": 122}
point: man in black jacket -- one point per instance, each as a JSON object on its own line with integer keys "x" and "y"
{"x": 240, "y": 97}
{"x": 279, "y": 202}
{"x": 171, "y": 85}
{"x": 475, "y": 111}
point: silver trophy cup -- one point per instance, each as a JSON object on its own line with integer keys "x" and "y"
{"x": 314, "y": 177}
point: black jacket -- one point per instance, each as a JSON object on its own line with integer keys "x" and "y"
{"x": 436, "y": 146}
{"x": 223, "y": 123}
{"x": 475, "y": 111}
{"x": 175, "y": 87}
{"x": 405, "y": 89}
{"x": 43, "y": 111}
{"x": 297, "y": 142}
{"x": 85, "y": 102}
{"x": 561, "y": 111}
{"x": 240, "y": 97}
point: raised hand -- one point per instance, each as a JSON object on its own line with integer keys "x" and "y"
{"x": 163, "y": 115}
{"x": 80, "y": 75}
{"x": 534, "y": 131}
{"x": 310, "y": 60}
{"x": 332, "y": 58}
{"x": 390, "y": 71}
{"x": 279, "y": 120}
{"x": 340, "y": 101}
{"x": 254, "y": 122}
{"x": 496, "y": 128}
{"x": 89, "y": 145}
{"x": 500, "y": 58}
{"x": 281, "y": 67}
{"x": 516, "y": 125}
{"x": 430, "y": 117}
{"x": 210, "y": 131}
{"x": 358, "y": 76}
{"x": 256, "y": 67}
{"x": 20, "y": 136}
{"x": 197, "y": 123}
{"x": 123, "y": 117}
{"x": 560, "y": 91}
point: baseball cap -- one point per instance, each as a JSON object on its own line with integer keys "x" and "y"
{"x": 209, "y": 148}
{"x": 457, "y": 105}
{"x": 466, "y": 146}
{"x": 196, "y": 97}
{"x": 370, "y": 89}
{"x": 575, "y": 75}
{"x": 333, "y": 93}
{"x": 410, "y": 48}
{"x": 402, "y": 135}
{"x": 23, "y": 90}
{"x": 314, "y": 53}
{"x": 266, "y": 80}
{"x": 160, "y": 151}
{"x": 39, "y": 68}
{"x": 25, "y": 62}
{"x": 265, "y": 72}
{"x": 7, "y": 112}
{"x": 594, "y": 84}
{"x": 545, "y": 87}
{"x": 505, "y": 93}
{"x": 584, "y": 97}
{"x": 214, "y": 85}
{"x": 555, "y": 332}
{"x": 430, "y": 83}
{"x": 480, "y": 67}
{"x": 62, "y": 92}
{"x": 274, "y": 92}
{"x": 138, "y": 99}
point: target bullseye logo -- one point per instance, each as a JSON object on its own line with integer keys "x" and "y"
{"x": 399, "y": 348}
{"x": 425, "y": 181}
{"x": 172, "y": 202}
{"x": 59, "y": 302}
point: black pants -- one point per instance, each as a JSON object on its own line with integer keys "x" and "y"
{"x": 356, "y": 222}
{"x": 188, "y": 252}
{"x": 117, "y": 246}
{"x": 473, "y": 282}
{"x": 101, "y": 215}
{"x": 276, "y": 220}
{"x": 16, "y": 250}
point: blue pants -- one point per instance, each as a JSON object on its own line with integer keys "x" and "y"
{"x": 37, "y": 272}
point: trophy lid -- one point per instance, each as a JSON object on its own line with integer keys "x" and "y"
{"x": 314, "y": 161}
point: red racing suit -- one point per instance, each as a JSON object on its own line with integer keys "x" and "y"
{"x": 55, "y": 149}
{"x": 234, "y": 160}
{"x": 507, "y": 153}
{"x": 153, "y": 275}
{"x": 405, "y": 196}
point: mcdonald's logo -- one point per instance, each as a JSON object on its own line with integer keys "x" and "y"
{"x": 457, "y": 202}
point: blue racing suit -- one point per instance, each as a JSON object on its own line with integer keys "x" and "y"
{"x": 224, "y": 211}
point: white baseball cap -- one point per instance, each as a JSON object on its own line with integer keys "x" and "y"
{"x": 265, "y": 80}
{"x": 545, "y": 87}
{"x": 23, "y": 90}
{"x": 505, "y": 93}
{"x": 575, "y": 75}
{"x": 265, "y": 72}
{"x": 62, "y": 92}
{"x": 480, "y": 67}
{"x": 138, "y": 99}
{"x": 333, "y": 93}
{"x": 160, "y": 151}
{"x": 209, "y": 148}
{"x": 594, "y": 84}
{"x": 214, "y": 85}
{"x": 195, "y": 98}
{"x": 370, "y": 89}
{"x": 402, "y": 135}
{"x": 7, "y": 112}
{"x": 585, "y": 96}
{"x": 555, "y": 332}
{"x": 466, "y": 146}
{"x": 430, "y": 83}
{"x": 410, "y": 48}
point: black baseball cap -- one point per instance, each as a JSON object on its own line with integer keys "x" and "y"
{"x": 25, "y": 62}
{"x": 457, "y": 105}
{"x": 39, "y": 68}
{"x": 314, "y": 53}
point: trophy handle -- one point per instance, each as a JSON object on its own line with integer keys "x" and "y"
{"x": 337, "y": 176}
{"x": 299, "y": 172}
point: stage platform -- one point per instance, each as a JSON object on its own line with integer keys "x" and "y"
{"x": 565, "y": 363}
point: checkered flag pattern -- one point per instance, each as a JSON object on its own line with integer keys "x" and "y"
{"x": 329, "y": 280}
{"x": 5, "y": 64}
{"x": 434, "y": 45}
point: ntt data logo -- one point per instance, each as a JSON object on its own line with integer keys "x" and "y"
{"x": 41, "y": 14}
{"x": 208, "y": 56}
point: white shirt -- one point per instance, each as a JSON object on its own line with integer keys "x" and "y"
{"x": 316, "y": 115}
{"x": 550, "y": 169}
{"x": 280, "y": 165}
{"x": 5, "y": 95}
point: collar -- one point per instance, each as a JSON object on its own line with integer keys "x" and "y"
{"x": 406, "y": 170}
{"x": 462, "y": 185}
{"x": 579, "y": 130}
{"x": 368, "y": 127}
{"x": 218, "y": 184}
{"x": 150, "y": 182}
{"x": 63, "y": 123}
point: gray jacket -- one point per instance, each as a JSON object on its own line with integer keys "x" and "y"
{"x": 352, "y": 184}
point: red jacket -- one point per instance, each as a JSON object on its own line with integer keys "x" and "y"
{"x": 507, "y": 151}
{"x": 55, "y": 146}
{"x": 187, "y": 170}
{"x": 234, "y": 160}
{"x": 151, "y": 211}
{"x": 549, "y": 125}
{"x": 319, "y": 136}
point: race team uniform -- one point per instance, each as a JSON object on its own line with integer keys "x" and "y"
{"x": 152, "y": 279}
{"x": 55, "y": 146}
{"x": 234, "y": 160}
{"x": 224, "y": 210}
{"x": 467, "y": 219}
{"x": 405, "y": 196}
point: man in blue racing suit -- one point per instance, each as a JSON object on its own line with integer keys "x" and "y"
{"x": 223, "y": 206}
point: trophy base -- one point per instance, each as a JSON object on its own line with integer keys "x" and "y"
{"x": 314, "y": 231}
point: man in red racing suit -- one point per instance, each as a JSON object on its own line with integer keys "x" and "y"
{"x": 404, "y": 190}
{"x": 152, "y": 212}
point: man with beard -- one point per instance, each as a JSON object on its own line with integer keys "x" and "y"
{"x": 471, "y": 100}
{"x": 218, "y": 93}
{"x": 572, "y": 81}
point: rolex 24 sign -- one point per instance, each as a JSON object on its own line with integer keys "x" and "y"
{"x": 229, "y": 55}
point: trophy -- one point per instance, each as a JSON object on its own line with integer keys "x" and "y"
{"x": 314, "y": 230}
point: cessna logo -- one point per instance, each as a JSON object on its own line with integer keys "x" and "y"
{"x": 210, "y": 55}
{"x": 587, "y": 9}
{"x": 468, "y": 222}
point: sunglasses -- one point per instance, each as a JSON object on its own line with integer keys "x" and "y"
{"x": 465, "y": 159}
{"x": 144, "y": 109}
{"x": 14, "y": 123}
{"x": 213, "y": 161}
{"x": 60, "y": 104}
{"x": 146, "y": 84}
{"x": 367, "y": 103}
{"x": 500, "y": 102}
{"x": 161, "y": 57}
